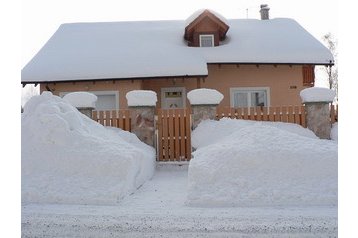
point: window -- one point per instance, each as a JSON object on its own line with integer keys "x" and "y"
{"x": 250, "y": 97}
{"x": 106, "y": 102}
{"x": 308, "y": 75}
{"x": 206, "y": 40}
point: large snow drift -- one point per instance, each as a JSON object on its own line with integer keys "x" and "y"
{"x": 68, "y": 158}
{"x": 246, "y": 163}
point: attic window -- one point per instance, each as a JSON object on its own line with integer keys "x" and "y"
{"x": 205, "y": 29}
{"x": 206, "y": 40}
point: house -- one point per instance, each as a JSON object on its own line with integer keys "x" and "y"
{"x": 252, "y": 62}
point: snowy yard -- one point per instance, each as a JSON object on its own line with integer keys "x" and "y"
{"x": 158, "y": 209}
{"x": 252, "y": 179}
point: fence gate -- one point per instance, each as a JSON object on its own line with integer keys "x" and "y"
{"x": 174, "y": 130}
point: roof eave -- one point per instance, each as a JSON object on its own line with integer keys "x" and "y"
{"x": 111, "y": 79}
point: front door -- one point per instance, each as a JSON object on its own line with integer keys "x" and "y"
{"x": 173, "y": 97}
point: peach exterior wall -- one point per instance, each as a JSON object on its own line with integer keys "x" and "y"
{"x": 279, "y": 79}
{"x": 121, "y": 86}
{"x": 222, "y": 77}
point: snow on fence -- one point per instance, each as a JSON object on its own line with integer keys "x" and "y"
{"x": 174, "y": 134}
{"x": 291, "y": 114}
{"x": 115, "y": 118}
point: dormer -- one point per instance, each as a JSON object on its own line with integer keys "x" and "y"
{"x": 205, "y": 29}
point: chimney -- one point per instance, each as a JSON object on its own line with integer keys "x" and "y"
{"x": 264, "y": 11}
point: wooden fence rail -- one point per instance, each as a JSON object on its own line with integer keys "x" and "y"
{"x": 115, "y": 118}
{"x": 291, "y": 114}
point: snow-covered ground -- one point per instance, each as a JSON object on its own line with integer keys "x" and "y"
{"x": 80, "y": 179}
{"x": 158, "y": 209}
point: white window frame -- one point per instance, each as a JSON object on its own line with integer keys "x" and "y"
{"x": 99, "y": 93}
{"x": 250, "y": 89}
{"x": 206, "y": 35}
{"x": 173, "y": 89}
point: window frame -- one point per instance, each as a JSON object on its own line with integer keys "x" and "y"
{"x": 250, "y": 89}
{"x": 206, "y": 35}
{"x": 99, "y": 93}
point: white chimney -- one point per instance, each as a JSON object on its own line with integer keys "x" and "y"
{"x": 264, "y": 11}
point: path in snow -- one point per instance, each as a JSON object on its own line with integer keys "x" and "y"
{"x": 158, "y": 209}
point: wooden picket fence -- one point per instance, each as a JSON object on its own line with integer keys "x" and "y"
{"x": 174, "y": 134}
{"x": 291, "y": 114}
{"x": 173, "y": 126}
{"x": 334, "y": 113}
{"x": 115, "y": 118}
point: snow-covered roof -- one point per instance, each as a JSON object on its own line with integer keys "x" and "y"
{"x": 145, "y": 49}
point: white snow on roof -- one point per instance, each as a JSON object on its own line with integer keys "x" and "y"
{"x": 113, "y": 50}
{"x": 141, "y": 98}
{"x": 81, "y": 99}
{"x": 204, "y": 96}
{"x": 193, "y": 16}
{"x": 317, "y": 94}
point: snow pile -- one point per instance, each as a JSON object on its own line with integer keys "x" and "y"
{"x": 317, "y": 94}
{"x": 204, "y": 96}
{"x": 81, "y": 99}
{"x": 203, "y": 134}
{"x": 69, "y": 158}
{"x": 334, "y": 131}
{"x": 260, "y": 164}
{"x": 141, "y": 98}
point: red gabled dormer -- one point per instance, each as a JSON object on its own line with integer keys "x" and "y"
{"x": 206, "y": 29}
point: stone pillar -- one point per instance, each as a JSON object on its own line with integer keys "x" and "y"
{"x": 316, "y": 101}
{"x": 86, "y": 111}
{"x": 203, "y": 112}
{"x": 318, "y": 118}
{"x": 141, "y": 104}
{"x": 142, "y": 123}
{"x": 204, "y": 102}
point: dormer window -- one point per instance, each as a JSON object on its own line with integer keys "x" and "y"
{"x": 205, "y": 29}
{"x": 206, "y": 40}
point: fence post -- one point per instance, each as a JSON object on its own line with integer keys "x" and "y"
{"x": 203, "y": 104}
{"x": 316, "y": 101}
{"x": 141, "y": 104}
